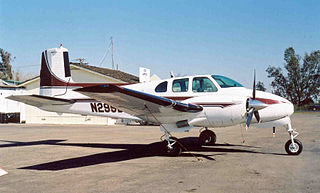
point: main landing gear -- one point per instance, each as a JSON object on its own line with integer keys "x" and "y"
{"x": 293, "y": 146}
{"x": 207, "y": 137}
{"x": 172, "y": 147}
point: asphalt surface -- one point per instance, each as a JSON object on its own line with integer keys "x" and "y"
{"x": 83, "y": 158}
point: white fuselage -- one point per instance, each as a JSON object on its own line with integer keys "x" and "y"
{"x": 224, "y": 107}
{"x": 221, "y": 106}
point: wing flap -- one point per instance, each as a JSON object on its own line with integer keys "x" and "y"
{"x": 39, "y": 100}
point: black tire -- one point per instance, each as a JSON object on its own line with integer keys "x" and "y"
{"x": 207, "y": 137}
{"x": 175, "y": 151}
{"x": 289, "y": 149}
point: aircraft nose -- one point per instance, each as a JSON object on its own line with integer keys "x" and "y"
{"x": 288, "y": 106}
{"x": 291, "y": 108}
{"x": 278, "y": 107}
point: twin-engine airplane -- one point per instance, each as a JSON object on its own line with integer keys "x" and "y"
{"x": 177, "y": 104}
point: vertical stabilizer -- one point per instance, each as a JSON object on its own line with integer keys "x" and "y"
{"x": 55, "y": 67}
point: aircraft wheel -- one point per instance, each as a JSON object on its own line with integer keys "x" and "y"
{"x": 293, "y": 149}
{"x": 207, "y": 137}
{"x": 174, "y": 151}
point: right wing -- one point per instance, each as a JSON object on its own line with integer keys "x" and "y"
{"x": 40, "y": 100}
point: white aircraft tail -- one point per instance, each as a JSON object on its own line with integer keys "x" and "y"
{"x": 55, "y": 75}
{"x": 55, "y": 67}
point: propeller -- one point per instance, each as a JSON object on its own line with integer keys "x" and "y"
{"x": 254, "y": 105}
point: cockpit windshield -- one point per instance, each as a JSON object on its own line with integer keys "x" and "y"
{"x": 225, "y": 82}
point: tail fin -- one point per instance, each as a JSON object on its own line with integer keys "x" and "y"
{"x": 55, "y": 67}
{"x": 55, "y": 74}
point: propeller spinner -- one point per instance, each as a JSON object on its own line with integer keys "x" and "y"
{"x": 254, "y": 105}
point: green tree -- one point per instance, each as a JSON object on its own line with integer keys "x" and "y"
{"x": 301, "y": 83}
{"x": 260, "y": 86}
{"x": 5, "y": 66}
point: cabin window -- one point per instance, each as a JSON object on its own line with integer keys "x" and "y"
{"x": 162, "y": 87}
{"x": 203, "y": 84}
{"x": 180, "y": 85}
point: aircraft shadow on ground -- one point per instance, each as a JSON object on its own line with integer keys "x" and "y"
{"x": 129, "y": 152}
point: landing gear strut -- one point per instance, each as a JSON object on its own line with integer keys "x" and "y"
{"x": 207, "y": 137}
{"x": 170, "y": 146}
{"x": 293, "y": 146}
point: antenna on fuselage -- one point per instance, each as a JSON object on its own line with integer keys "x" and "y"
{"x": 171, "y": 74}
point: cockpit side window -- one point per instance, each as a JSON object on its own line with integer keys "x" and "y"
{"x": 226, "y": 82}
{"x": 162, "y": 87}
{"x": 180, "y": 85}
{"x": 203, "y": 84}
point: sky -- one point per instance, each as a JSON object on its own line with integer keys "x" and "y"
{"x": 187, "y": 37}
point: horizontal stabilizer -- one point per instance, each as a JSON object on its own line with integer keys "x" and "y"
{"x": 40, "y": 100}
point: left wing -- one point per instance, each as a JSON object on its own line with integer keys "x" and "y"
{"x": 140, "y": 104}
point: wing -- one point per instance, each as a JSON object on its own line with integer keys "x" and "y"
{"x": 39, "y": 100}
{"x": 139, "y": 104}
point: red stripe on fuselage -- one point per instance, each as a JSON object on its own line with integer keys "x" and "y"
{"x": 178, "y": 98}
{"x": 215, "y": 104}
{"x": 268, "y": 101}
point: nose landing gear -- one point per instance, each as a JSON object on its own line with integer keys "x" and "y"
{"x": 293, "y": 146}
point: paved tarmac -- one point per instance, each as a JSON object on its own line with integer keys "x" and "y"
{"x": 86, "y": 158}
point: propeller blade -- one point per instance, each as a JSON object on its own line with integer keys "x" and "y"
{"x": 253, "y": 104}
{"x": 250, "y": 114}
{"x": 254, "y": 85}
{"x": 257, "y": 116}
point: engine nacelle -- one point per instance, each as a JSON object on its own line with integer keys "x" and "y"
{"x": 219, "y": 111}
